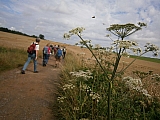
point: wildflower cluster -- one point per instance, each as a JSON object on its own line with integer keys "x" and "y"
{"x": 76, "y": 108}
{"x": 81, "y": 73}
{"x": 155, "y": 77}
{"x": 61, "y": 99}
{"x": 68, "y": 86}
{"x": 86, "y": 88}
{"x": 125, "y": 44}
{"x": 152, "y": 47}
{"x": 95, "y": 96}
{"x": 136, "y": 50}
{"x": 76, "y": 31}
{"x": 84, "y": 119}
{"x": 135, "y": 84}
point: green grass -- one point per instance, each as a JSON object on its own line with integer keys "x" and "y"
{"x": 11, "y": 58}
{"x": 156, "y": 60}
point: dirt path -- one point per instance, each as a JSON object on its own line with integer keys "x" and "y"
{"x": 28, "y": 96}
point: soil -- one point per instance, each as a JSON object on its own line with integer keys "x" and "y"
{"x": 29, "y": 96}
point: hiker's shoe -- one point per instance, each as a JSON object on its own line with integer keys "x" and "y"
{"x": 44, "y": 64}
{"x": 35, "y": 71}
{"x": 22, "y": 72}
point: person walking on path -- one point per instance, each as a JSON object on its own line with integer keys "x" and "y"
{"x": 58, "y": 56}
{"x": 64, "y": 52}
{"x": 55, "y": 49}
{"x": 46, "y": 54}
{"x": 33, "y": 57}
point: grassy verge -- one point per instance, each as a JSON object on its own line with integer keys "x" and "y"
{"x": 83, "y": 96}
{"x": 11, "y": 58}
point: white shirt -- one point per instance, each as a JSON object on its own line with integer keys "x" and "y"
{"x": 37, "y": 46}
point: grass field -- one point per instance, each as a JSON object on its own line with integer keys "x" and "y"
{"x": 156, "y": 60}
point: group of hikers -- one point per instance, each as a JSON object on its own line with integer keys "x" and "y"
{"x": 48, "y": 50}
{"x": 55, "y": 51}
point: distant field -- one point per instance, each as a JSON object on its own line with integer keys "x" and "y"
{"x": 147, "y": 59}
{"x": 18, "y": 41}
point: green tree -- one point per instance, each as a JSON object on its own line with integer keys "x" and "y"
{"x": 41, "y": 36}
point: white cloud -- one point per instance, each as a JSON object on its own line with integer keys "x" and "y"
{"x": 52, "y": 18}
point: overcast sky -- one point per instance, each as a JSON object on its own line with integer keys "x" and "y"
{"x": 53, "y": 18}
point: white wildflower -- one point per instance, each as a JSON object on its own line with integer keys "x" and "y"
{"x": 61, "y": 99}
{"x": 68, "y": 86}
{"x": 95, "y": 96}
{"x": 77, "y": 30}
{"x": 152, "y": 47}
{"x": 66, "y": 36}
{"x": 84, "y": 119}
{"x": 156, "y": 77}
{"x": 76, "y": 108}
{"x": 125, "y": 43}
{"x": 80, "y": 73}
{"x": 86, "y": 88}
{"x": 136, "y": 50}
{"x": 135, "y": 84}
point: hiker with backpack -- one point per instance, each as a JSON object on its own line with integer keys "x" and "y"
{"x": 32, "y": 55}
{"x": 64, "y": 52}
{"x": 51, "y": 47}
{"x": 46, "y": 54}
{"x": 58, "y": 56}
{"x": 55, "y": 49}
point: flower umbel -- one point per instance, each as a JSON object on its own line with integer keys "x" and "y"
{"x": 61, "y": 99}
{"x": 152, "y": 47}
{"x": 76, "y": 31}
{"x": 135, "y": 84}
{"x": 80, "y": 73}
{"x": 68, "y": 86}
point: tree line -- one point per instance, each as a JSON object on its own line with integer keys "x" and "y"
{"x": 20, "y": 33}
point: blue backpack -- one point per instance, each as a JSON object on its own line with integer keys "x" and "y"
{"x": 59, "y": 53}
{"x": 45, "y": 50}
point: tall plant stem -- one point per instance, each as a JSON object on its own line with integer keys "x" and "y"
{"x": 111, "y": 82}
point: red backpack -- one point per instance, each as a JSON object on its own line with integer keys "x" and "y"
{"x": 31, "y": 48}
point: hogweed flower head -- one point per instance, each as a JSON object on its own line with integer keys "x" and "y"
{"x": 86, "y": 88}
{"x": 84, "y": 119}
{"x": 136, "y": 50}
{"x": 86, "y": 74}
{"x": 61, "y": 99}
{"x": 155, "y": 77}
{"x": 125, "y": 43}
{"x": 68, "y": 86}
{"x": 132, "y": 83}
{"x": 76, "y": 31}
{"x": 95, "y": 96}
{"x": 66, "y": 36}
{"x": 135, "y": 84}
{"x": 152, "y": 47}
{"x": 76, "y": 108}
